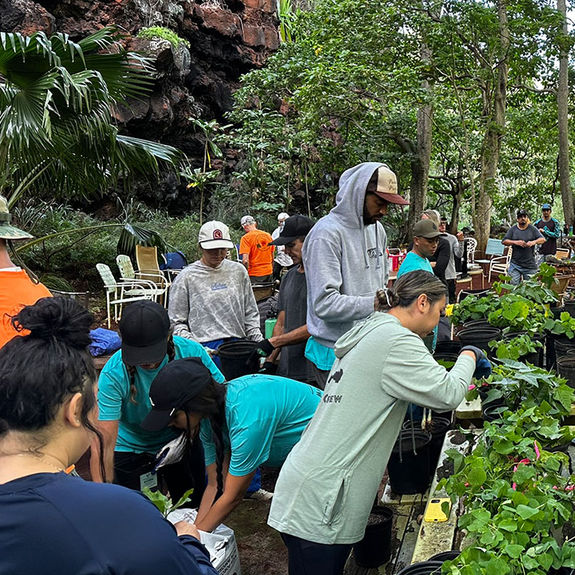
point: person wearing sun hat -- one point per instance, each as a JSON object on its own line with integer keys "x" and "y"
{"x": 129, "y": 450}
{"x": 211, "y": 300}
{"x": 17, "y": 288}
{"x": 345, "y": 260}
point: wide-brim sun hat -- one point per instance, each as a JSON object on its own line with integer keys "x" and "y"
{"x": 7, "y": 231}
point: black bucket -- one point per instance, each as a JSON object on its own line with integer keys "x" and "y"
{"x": 423, "y": 568}
{"x": 494, "y": 412}
{"x": 438, "y": 427}
{"x": 409, "y": 471}
{"x": 566, "y": 368}
{"x": 238, "y": 358}
{"x": 476, "y": 323}
{"x": 375, "y": 547}
{"x": 479, "y": 337}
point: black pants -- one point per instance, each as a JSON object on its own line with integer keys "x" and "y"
{"x": 176, "y": 478}
{"x": 308, "y": 558}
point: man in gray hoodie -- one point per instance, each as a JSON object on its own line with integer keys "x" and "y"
{"x": 345, "y": 259}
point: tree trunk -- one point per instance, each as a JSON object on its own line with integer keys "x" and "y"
{"x": 494, "y": 133}
{"x": 422, "y": 158}
{"x": 563, "y": 119}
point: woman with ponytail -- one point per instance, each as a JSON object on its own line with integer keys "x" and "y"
{"x": 50, "y": 521}
{"x": 249, "y": 421}
{"x": 328, "y": 483}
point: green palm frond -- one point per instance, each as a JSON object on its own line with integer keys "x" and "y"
{"x": 56, "y": 112}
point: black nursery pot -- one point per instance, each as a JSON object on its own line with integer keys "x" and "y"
{"x": 409, "y": 470}
{"x": 439, "y": 426}
{"x": 479, "y": 337}
{"x": 238, "y": 358}
{"x": 423, "y": 568}
{"x": 375, "y": 547}
{"x": 446, "y": 555}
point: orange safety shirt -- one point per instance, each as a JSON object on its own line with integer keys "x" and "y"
{"x": 260, "y": 253}
{"x": 16, "y": 291}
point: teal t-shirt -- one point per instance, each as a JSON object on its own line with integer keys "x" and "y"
{"x": 414, "y": 262}
{"x": 265, "y": 417}
{"x": 115, "y": 399}
{"x": 411, "y": 263}
{"x": 320, "y": 355}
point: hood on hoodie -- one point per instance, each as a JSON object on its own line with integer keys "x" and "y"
{"x": 351, "y": 338}
{"x": 351, "y": 195}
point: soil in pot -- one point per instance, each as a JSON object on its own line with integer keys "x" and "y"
{"x": 375, "y": 547}
{"x": 450, "y": 347}
{"x": 408, "y": 465}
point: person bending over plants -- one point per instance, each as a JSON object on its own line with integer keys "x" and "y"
{"x": 249, "y": 421}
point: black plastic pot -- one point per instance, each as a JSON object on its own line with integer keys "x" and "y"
{"x": 408, "y": 468}
{"x": 438, "y": 427}
{"x": 451, "y": 347}
{"x": 563, "y": 346}
{"x": 556, "y": 311}
{"x": 566, "y": 368}
{"x": 446, "y": 555}
{"x": 375, "y": 547}
{"x": 423, "y": 568}
{"x": 493, "y": 412}
{"x": 476, "y": 323}
{"x": 479, "y": 337}
{"x": 238, "y": 358}
{"x": 570, "y": 307}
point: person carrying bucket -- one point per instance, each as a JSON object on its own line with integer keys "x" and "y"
{"x": 326, "y": 487}
{"x": 247, "y": 422}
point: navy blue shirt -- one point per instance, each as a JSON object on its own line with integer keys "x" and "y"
{"x": 51, "y": 523}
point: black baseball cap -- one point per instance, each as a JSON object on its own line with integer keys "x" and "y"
{"x": 521, "y": 213}
{"x": 294, "y": 227}
{"x": 144, "y": 328}
{"x": 176, "y": 384}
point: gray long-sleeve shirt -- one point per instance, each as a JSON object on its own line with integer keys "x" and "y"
{"x": 214, "y": 303}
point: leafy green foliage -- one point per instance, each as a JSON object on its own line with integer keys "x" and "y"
{"x": 514, "y": 487}
{"x": 57, "y": 131}
{"x": 515, "y": 348}
{"x": 159, "y": 32}
{"x": 164, "y": 503}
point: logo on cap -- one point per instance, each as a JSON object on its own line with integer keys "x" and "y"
{"x": 218, "y": 235}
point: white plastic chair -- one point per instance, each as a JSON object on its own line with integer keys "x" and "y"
{"x": 123, "y": 292}
{"x": 127, "y": 273}
{"x": 500, "y": 264}
{"x": 471, "y": 248}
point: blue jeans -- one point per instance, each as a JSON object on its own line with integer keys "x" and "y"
{"x": 518, "y": 273}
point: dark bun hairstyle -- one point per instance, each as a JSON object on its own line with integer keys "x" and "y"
{"x": 408, "y": 287}
{"x": 43, "y": 367}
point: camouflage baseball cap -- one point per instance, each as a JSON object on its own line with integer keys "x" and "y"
{"x": 8, "y": 232}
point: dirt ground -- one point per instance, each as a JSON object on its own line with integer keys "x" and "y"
{"x": 260, "y": 547}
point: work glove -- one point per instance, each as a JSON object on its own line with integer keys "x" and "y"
{"x": 482, "y": 365}
{"x": 265, "y": 347}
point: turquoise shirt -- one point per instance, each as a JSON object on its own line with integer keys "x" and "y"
{"x": 320, "y": 355}
{"x": 116, "y": 404}
{"x": 414, "y": 262}
{"x": 265, "y": 417}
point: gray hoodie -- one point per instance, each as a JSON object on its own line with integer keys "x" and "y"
{"x": 345, "y": 261}
{"x": 327, "y": 484}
